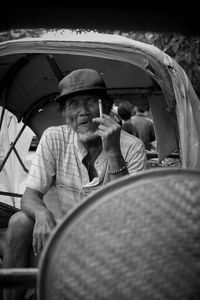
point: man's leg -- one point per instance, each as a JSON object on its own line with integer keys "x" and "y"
{"x": 2, "y": 240}
{"x": 17, "y": 249}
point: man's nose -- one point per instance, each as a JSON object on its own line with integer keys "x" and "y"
{"x": 84, "y": 108}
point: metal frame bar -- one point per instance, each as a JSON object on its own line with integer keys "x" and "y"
{"x": 12, "y": 147}
{"x": 19, "y": 277}
{"x": 10, "y": 194}
{"x": 54, "y": 66}
{"x": 2, "y": 116}
{"x": 20, "y": 160}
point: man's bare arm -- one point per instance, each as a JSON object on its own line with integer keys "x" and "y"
{"x": 33, "y": 205}
{"x": 31, "y": 202}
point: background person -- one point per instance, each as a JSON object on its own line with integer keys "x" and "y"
{"x": 74, "y": 160}
{"x": 124, "y": 112}
{"x": 143, "y": 126}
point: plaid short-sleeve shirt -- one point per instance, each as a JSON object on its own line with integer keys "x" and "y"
{"x": 58, "y": 163}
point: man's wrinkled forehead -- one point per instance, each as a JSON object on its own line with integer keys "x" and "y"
{"x": 85, "y": 97}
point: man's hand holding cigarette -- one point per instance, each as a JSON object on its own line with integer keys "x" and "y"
{"x": 109, "y": 130}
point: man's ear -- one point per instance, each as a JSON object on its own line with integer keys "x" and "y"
{"x": 116, "y": 117}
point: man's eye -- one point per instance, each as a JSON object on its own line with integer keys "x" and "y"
{"x": 91, "y": 101}
{"x": 72, "y": 103}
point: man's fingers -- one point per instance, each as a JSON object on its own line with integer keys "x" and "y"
{"x": 39, "y": 245}
{"x": 43, "y": 239}
{"x": 51, "y": 223}
{"x": 106, "y": 121}
{"x": 44, "y": 224}
{"x": 39, "y": 241}
{"x": 97, "y": 120}
{"x": 35, "y": 246}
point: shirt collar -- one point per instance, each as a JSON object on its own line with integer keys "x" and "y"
{"x": 81, "y": 150}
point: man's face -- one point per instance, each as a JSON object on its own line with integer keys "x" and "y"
{"x": 79, "y": 112}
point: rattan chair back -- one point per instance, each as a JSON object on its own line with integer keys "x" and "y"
{"x": 137, "y": 238}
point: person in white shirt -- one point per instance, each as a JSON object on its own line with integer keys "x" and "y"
{"x": 74, "y": 160}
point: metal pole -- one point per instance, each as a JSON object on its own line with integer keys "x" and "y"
{"x": 12, "y": 147}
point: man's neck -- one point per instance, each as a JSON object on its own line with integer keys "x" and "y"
{"x": 94, "y": 148}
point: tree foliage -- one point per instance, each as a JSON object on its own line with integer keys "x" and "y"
{"x": 185, "y": 50}
{"x": 20, "y": 33}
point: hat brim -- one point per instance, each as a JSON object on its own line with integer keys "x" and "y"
{"x": 60, "y": 98}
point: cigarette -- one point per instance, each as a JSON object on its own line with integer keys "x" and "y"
{"x": 100, "y": 109}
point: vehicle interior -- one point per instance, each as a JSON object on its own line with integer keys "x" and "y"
{"x": 29, "y": 79}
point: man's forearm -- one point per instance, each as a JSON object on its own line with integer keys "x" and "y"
{"x": 31, "y": 203}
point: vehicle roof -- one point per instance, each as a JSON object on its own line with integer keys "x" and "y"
{"x": 52, "y": 38}
{"x": 30, "y": 70}
{"x": 71, "y": 51}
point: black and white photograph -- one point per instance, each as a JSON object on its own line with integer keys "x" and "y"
{"x": 99, "y": 151}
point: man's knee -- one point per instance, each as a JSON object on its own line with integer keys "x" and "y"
{"x": 20, "y": 227}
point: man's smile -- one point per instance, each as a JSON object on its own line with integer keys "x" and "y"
{"x": 84, "y": 122}
{"x": 84, "y": 125}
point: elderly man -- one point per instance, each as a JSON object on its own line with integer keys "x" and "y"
{"x": 74, "y": 160}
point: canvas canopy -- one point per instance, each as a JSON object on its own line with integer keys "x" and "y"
{"x": 30, "y": 70}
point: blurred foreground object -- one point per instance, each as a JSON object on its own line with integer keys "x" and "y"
{"x": 137, "y": 238}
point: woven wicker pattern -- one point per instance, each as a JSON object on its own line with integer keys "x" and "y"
{"x": 140, "y": 241}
